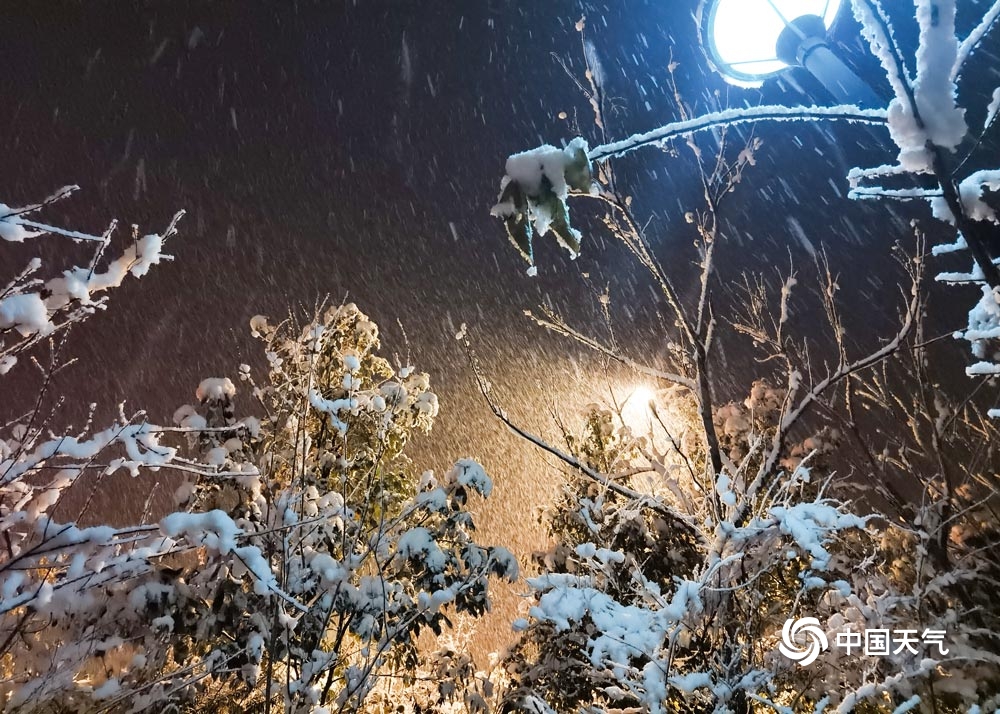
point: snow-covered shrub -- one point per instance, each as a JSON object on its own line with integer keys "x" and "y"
{"x": 652, "y": 575}
{"x": 353, "y": 554}
{"x": 631, "y": 611}
{"x": 534, "y": 192}
{"x": 67, "y": 613}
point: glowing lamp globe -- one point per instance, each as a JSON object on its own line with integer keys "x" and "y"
{"x": 749, "y": 41}
{"x": 741, "y": 36}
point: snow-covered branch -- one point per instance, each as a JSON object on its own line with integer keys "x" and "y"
{"x": 731, "y": 117}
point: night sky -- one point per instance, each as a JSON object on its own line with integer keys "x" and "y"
{"x": 354, "y": 149}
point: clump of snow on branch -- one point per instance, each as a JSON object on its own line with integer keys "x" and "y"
{"x": 534, "y": 192}
{"x": 934, "y": 88}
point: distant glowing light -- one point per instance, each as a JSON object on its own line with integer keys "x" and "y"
{"x": 642, "y": 395}
{"x": 741, "y": 35}
{"x": 635, "y": 410}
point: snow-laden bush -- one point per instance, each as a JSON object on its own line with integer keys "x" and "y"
{"x": 631, "y": 612}
{"x": 362, "y": 554}
{"x": 65, "y": 588}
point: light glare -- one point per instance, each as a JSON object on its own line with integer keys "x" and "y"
{"x": 642, "y": 395}
{"x": 635, "y": 411}
{"x": 743, "y": 33}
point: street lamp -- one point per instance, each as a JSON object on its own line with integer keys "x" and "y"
{"x": 749, "y": 41}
